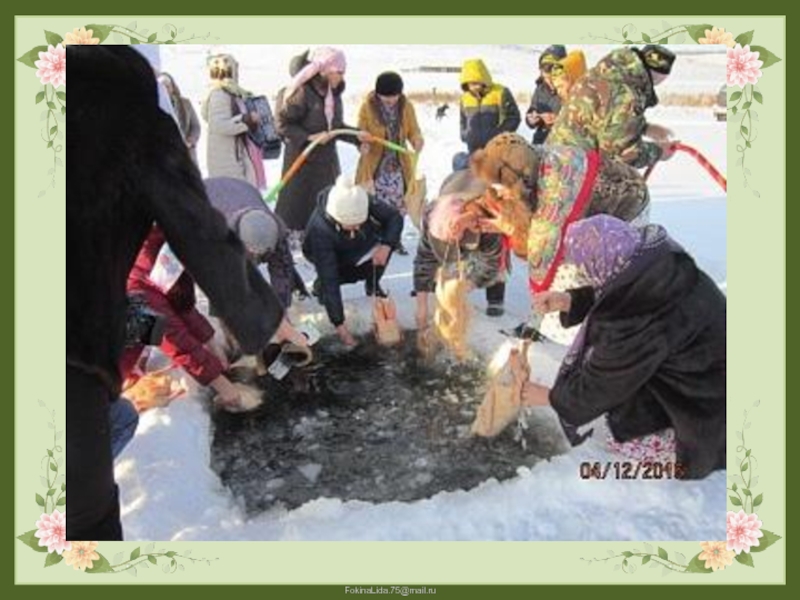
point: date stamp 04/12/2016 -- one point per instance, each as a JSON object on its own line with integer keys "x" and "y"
{"x": 631, "y": 470}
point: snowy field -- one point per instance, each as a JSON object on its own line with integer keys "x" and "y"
{"x": 169, "y": 491}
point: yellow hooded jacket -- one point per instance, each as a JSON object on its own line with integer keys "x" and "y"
{"x": 494, "y": 112}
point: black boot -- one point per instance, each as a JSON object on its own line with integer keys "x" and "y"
{"x": 374, "y": 290}
{"x": 316, "y": 290}
{"x": 495, "y": 297}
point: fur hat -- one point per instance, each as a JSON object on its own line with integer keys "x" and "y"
{"x": 389, "y": 84}
{"x": 508, "y": 160}
{"x": 657, "y": 58}
{"x": 348, "y": 203}
{"x": 258, "y": 232}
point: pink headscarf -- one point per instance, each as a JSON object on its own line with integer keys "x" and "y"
{"x": 321, "y": 60}
{"x": 443, "y": 217}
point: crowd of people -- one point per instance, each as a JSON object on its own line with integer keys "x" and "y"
{"x": 144, "y": 228}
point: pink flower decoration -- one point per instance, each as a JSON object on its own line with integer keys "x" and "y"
{"x": 52, "y": 532}
{"x": 743, "y": 531}
{"x": 52, "y": 66}
{"x": 743, "y": 66}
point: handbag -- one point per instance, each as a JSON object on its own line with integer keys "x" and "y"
{"x": 265, "y": 136}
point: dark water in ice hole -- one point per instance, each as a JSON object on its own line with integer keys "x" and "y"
{"x": 374, "y": 424}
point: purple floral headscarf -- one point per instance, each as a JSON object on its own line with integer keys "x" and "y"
{"x": 601, "y": 246}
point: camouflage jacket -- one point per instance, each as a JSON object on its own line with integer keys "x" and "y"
{"x": 605, "y": 110}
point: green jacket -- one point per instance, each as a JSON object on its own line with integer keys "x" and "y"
{"x": 605, "y": 110}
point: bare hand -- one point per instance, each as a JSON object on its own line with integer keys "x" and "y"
{"x": 534, "y": 394}
{"x": 365, "y": 137}
{"x": 287, "y": 333}
{"x": 323, "y": 137}
{"x": 381, "y": 255}
{"x": 658, "y": 132}
{"x": 364, "y": 149}
{"x": 548, "y": 302}
{"x": 227, "y": 394}
{"x": 418, "y": 144}
{"x": 495, "y": 225}
{"x": 346, "y": 337}
{"x": 549, "y": 118}
{"x": 532, "y": 118}
{"x": 667, "y": 149}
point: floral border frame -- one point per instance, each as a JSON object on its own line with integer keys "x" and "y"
{"x": 745, "y": 533}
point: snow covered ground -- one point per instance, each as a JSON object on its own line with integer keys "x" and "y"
{"x": 169, "y": 491}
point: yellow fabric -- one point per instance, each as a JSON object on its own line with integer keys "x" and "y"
{"x": 369, "y": 121}
{"x": 494, "y": 97}
{"x": 573, "y": 66}
{"x": 474, "y": 71}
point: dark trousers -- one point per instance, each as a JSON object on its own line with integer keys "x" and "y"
{"x": 496, "y": 293}
{"x": 93, "y": 497}
{"x": 365, "y": 272}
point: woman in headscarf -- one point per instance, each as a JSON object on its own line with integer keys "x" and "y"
{"x": 231, "y": 152}
{"x": 307, "y": 110}
{"x": 650, "y": 354}
{"x": 536, "y": 191}
{"x": 188, "y": 122}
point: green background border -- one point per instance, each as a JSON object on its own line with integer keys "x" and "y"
{"x": 438, "y": 8}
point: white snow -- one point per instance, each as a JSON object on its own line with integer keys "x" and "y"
{"x": 168, "y": 490}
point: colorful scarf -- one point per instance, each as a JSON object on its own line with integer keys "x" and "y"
{"x": 601, "y": 246}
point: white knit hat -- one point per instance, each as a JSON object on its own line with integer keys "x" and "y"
{"x": 258, "y": 232}
{"x": 348, "y": 204}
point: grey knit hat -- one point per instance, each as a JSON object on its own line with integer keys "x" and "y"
{"x": 258, "y": 231}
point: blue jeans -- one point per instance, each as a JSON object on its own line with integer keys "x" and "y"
{"x": 124, "y": 419}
